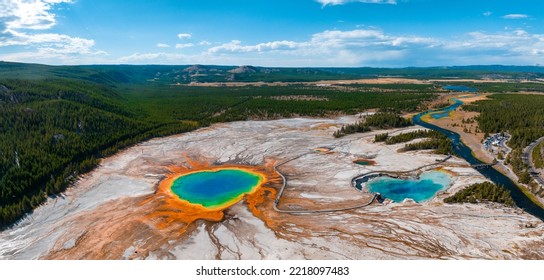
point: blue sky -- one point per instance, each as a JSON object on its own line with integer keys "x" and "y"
{"x": 378, "y": 33}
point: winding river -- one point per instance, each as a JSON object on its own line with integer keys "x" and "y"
{"x": 462, "y": 150}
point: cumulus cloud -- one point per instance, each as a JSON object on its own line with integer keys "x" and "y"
{"x": 35, "y": 14}
{"x": 332, "y": 47}
{"x": 515, "y": 42}
{"x": 515, "y": 16}
{"x": 488, "y": 13}
{"x": 184, "y": 36}
{"x": 204, "y": 43}
{"x": 374, "y": 47}
{"x": 236, "y": 46}
{"x": 23, "y": 23}
{"x": 57, "y": 43}
{"x": 172, "y": 58}
{"x": 161, "y": 57}
{"x": 368, "y": 47}
{"x": 517, "y": 47}
{"x": 342, "y": 2}
{"x": 182, "y": 46}
{"x": 328, "y": 39}
{"x": 161, "y": 45}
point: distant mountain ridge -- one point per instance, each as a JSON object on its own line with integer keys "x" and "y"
{"x": 185, "y": 74}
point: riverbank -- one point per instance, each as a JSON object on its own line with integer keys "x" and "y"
{"x": 521, "y": 195}
{"x": 469, "y": 132}
{"x": 464, "y": 124}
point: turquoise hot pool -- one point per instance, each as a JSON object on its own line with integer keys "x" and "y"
{"x": 419, "y": 190}
{"x": 216, "y": 188}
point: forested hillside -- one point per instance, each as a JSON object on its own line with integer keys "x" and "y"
{"x": 53, "y": 130}
{"x": 57, "y": 122}
{"x": 185, "y": 74}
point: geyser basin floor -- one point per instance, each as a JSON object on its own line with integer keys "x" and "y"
{"x": 419, "y": 190}
{"x": 118, "y": 211}
{"x": 216, "y": 188}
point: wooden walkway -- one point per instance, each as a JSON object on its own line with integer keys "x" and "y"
{"x": 353, "y": 180}
{"x": 482, "y": 165}
{"x": 396, "y": 173}
{"x": 309, "y": 211}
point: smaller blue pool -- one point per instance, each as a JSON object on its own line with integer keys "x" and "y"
{"x": 460, "y": 88}
{"x": 419, "y": 190}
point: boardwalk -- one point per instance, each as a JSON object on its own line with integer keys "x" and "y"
{"x": 310, "y": 211}
{"x": 482, "y": 165}
{"x": 353, "y": 180}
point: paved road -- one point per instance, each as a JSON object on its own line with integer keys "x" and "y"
{"x": 528, "y": 159}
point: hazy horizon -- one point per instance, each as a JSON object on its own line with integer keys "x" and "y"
{"x": 260, "y": 66}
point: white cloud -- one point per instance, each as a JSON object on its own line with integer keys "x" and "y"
{"x": 236, "y": 46}
{"x": 373, "y": 47}
{"x": 53, "y": 48}
{"x": 515, "y": 42}
{"x": 36, "y": 14}
{"x": 331, "y": 47}
{"x": 182, "y": 46}
{"x": 367, "y": 47}
{"x": 166, "y": 58}
{"x": 184, "y": 36}
{"x": 342, "y": 2}
{"x": 517, "y": 47}
{"x": 515, "y": 16}
{"x": 204, "y": 43}
{"x": 53, "y": 43}
{"x": 161, "y": 45}
{"x": 46, "y": 57}
{"x": 22, "y": 23}
{"x": 328, "y": 40}
{"x": 488, "y": 13}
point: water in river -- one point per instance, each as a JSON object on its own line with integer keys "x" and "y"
{"x": 489, "y": 172}
{"x": 460, "y": 88}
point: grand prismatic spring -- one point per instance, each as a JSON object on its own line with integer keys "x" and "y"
{"x": 216, "y": 188}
